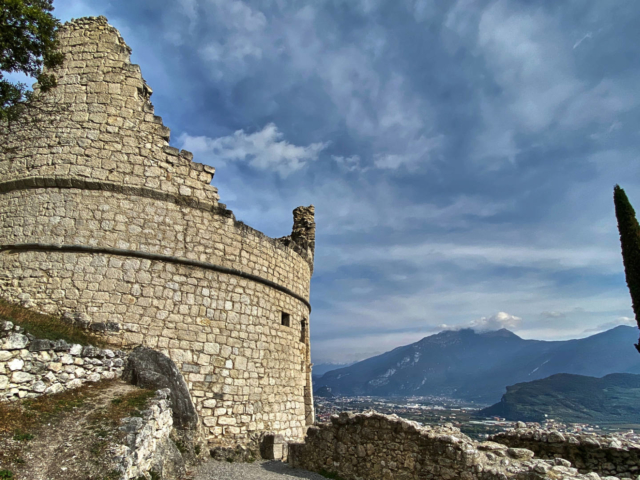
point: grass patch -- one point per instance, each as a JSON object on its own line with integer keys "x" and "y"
{"x": 6, "y": 475}
{"x": 105, "y": 421}
{"x": 23, "y": 436}
{"x": 37, "y": 417}
{"x": 130, "y": 405}
{"x": 113, "y": 475}
{"x": 47, "y": 326}
{"x": 22, "y": 419}
{"x": 18, "y": 418}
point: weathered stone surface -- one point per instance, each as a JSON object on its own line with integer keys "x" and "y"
{"x": 385, "y": 447}
{"x": 606, "y": 456}
{"x": 148, "y": 368}
{"x": 98, "y": 180}
{"x": 21, "y": 377}
{"x": 35, "y": 371}
{"x": 39, "y": 386}
{"x": 273, "y": 447}
{"x": 39, "y": 345}
{"x": 15, "y": 364}
{"x": 15, "y": 341}
{"x": 148, "y": 447}
{"x": 168, "y": 463}
{"x": 76, "y": 350}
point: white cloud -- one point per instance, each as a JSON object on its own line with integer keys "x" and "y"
{"x": 531, "y": 60}
{"x": 525, "y": 51}
{"x": 376, "y": 105}
{"x": 351, "y": 163}
{"x": 417, "y": 152}
{"x": 263, "y": 150}
{"x": 497, "y": 253}
{"x": 489, "y": 324}
{"x": 552, "y": 314}
{"x": 577, "y": 44}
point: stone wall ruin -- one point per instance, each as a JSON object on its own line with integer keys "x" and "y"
{"x": 103, "y": 223}
{"x": 605, "y": 455}
{"x": 30, "y": 367}
{"x": 373, "y": 446}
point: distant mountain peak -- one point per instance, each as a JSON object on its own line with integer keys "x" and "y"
{"x": 503, "y": 332}
{"x": 478, "y": 366}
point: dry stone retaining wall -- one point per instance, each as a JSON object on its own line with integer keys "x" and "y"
{"x": 589, "y": 453}
{"x": 103, "y": 223}
{"x": 148, "y": 446}
{"x": 373, "y": 446}
{"x": 31, "y": 367}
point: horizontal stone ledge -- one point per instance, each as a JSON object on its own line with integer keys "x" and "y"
{"x": 46, "y": 247}
{"x": 67, "y": 182}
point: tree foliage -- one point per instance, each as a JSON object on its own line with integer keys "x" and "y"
{"x": 28, "y": 43}
{"x": 630, "y": 242}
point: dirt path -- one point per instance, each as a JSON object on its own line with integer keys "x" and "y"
{"x": 72, "y": 445}
{"x": 269, "y": 470}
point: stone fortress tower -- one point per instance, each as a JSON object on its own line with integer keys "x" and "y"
{"x": 104, "y": 223}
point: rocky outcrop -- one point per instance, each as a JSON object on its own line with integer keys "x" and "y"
{"x": 605, "y": 455}
{"x": 148, "y": 446}
{"x": 382, "y": 447}
{"x": 148, "y": 368}
{"x": 30, "y": 367}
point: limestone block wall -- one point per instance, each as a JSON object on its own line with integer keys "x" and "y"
{"x": 605, "y": 455}
{"x": 373, "y": 446}
{"x": 30, "y": 367}
{"x": 98, "y": 126}
{"x": 105, "y": 224}
{"x": 147, "y": 442}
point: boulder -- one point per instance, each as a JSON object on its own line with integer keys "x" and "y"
{"x": 148, "y": 368}
{"x": 168, "y": 463}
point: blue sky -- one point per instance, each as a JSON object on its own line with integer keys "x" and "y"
{"x": 461, "y": 155}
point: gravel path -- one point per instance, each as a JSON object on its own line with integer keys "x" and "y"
{"x": 270, "y": 470}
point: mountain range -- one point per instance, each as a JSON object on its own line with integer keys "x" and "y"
{"x": 467, "y": 365}
{"x": 572, "y": 398}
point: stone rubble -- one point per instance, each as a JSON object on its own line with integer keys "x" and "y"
{"x": 588, "y": 452}
{"x": 374, "y": 446}
{"x": 30, "y": 367}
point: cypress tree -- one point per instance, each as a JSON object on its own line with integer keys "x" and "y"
{"x": 630, "y": 242}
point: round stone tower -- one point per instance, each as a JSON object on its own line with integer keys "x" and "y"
{"x": 106, "y": 225}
